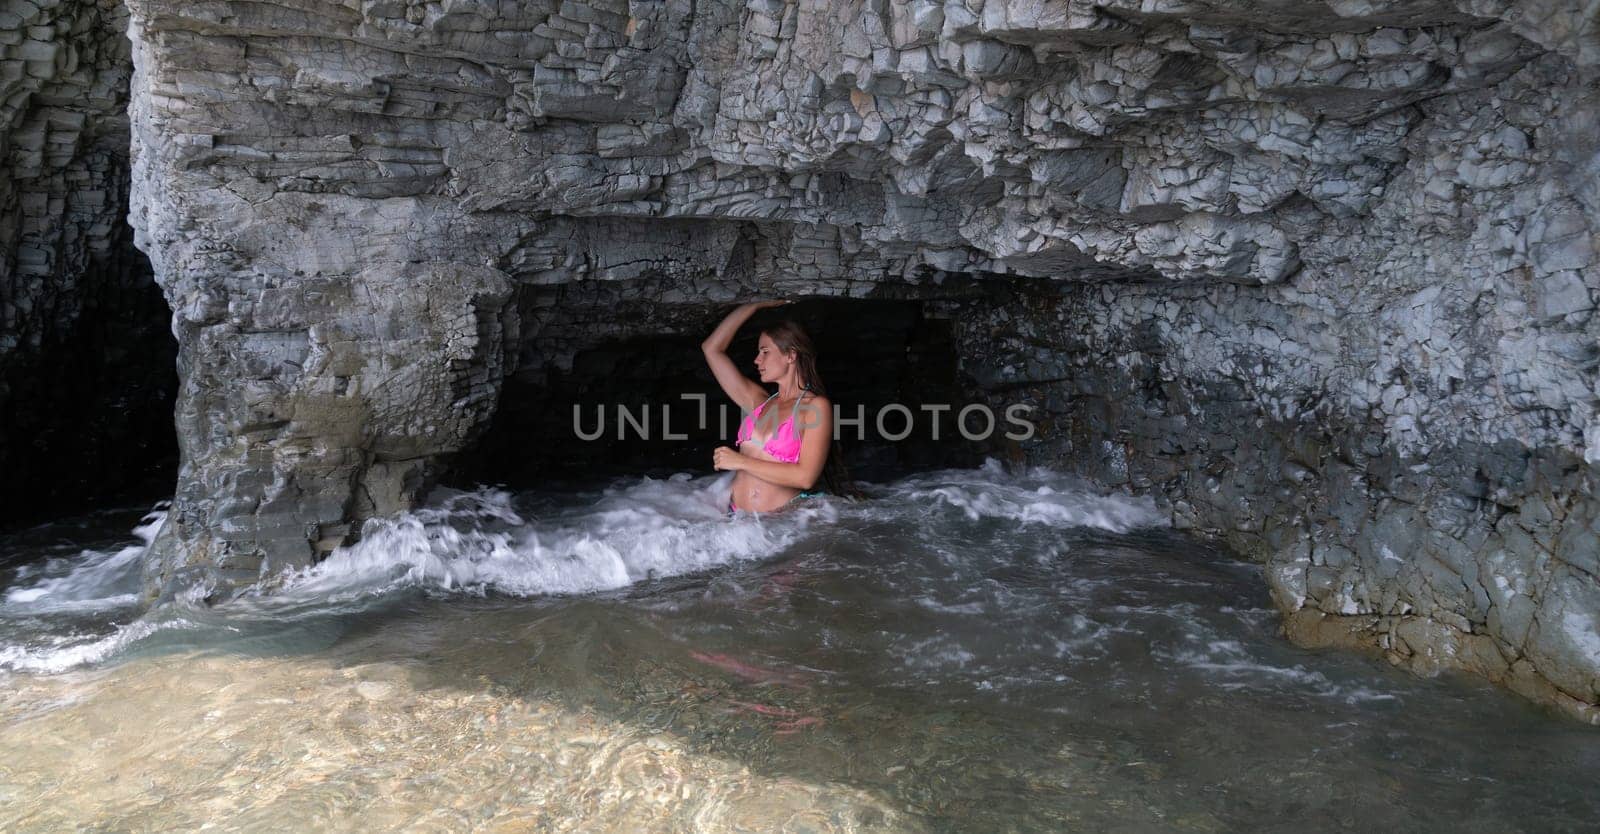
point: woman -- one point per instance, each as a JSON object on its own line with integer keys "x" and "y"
{"x": 779, "y": 457}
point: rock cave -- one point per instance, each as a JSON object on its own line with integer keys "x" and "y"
{"x": 1319, "y": 277}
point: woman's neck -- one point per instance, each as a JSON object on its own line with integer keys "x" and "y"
{"x": 789, "y": 387}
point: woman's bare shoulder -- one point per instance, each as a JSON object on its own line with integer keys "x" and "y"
{"x": 819, "y": 403}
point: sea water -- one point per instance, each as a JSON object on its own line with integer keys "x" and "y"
{"x": 966, "y": 650}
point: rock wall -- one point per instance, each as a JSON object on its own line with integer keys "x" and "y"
{"x": 1321, "y": 273}
{"x": 1406, "y": 432}
{"x": 86, "y": 379}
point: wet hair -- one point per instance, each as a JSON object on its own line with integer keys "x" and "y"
{"x": 789, "y": 336}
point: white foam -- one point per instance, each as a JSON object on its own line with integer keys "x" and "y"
{"x": 97, "y": 580}
{"x": 1231, "y": 667}
{"x": 936, "y": 653}
{"x": 1034, "y": 496}
{"x": 1088, "y": 638}
{"x": 477, "y": 542}
{"x": 72, "y": 651}
{"x": 928, "y": 602}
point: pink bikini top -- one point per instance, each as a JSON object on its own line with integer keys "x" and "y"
{"x": 784, "y": 444}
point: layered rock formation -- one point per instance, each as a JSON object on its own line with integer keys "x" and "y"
{"x": 1322, "y": 274}
{"x": 86, "y": 381}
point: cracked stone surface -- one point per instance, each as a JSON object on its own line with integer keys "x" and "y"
{"x": 1322, "y": 275}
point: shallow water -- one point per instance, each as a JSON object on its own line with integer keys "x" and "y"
{"x": 969, "y": 651}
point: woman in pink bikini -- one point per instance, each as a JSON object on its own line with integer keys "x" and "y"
{"x": 778, "y": 459}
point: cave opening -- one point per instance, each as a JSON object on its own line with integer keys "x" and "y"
{"x": 89, "y": 381}
{"x": 644, "y": 402}
{"x": 88, "y": 360}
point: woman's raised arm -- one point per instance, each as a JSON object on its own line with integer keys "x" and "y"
{"x": 744, "y": 391}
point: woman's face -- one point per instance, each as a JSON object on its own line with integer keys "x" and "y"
{"x": 771, "y": 363}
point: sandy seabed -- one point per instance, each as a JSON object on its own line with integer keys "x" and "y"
{"x": 203, "y": 742}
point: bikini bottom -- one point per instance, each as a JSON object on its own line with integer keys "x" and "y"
{"x": 803, "y": 494}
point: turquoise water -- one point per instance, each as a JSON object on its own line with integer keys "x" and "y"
{"x": 971, "y": 650}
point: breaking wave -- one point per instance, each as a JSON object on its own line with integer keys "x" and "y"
{"x": 72, "y": 611}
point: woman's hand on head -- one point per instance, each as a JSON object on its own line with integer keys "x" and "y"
{"x": 727, "y": 458}
{"x": 776, "y": 302}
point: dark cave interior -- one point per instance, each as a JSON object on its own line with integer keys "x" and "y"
{"x": 653, "y": 408}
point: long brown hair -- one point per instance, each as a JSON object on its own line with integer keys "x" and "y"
{"x": 789, "y": 336}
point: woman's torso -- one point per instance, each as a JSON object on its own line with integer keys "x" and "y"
{"x": 773, "y": 422}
